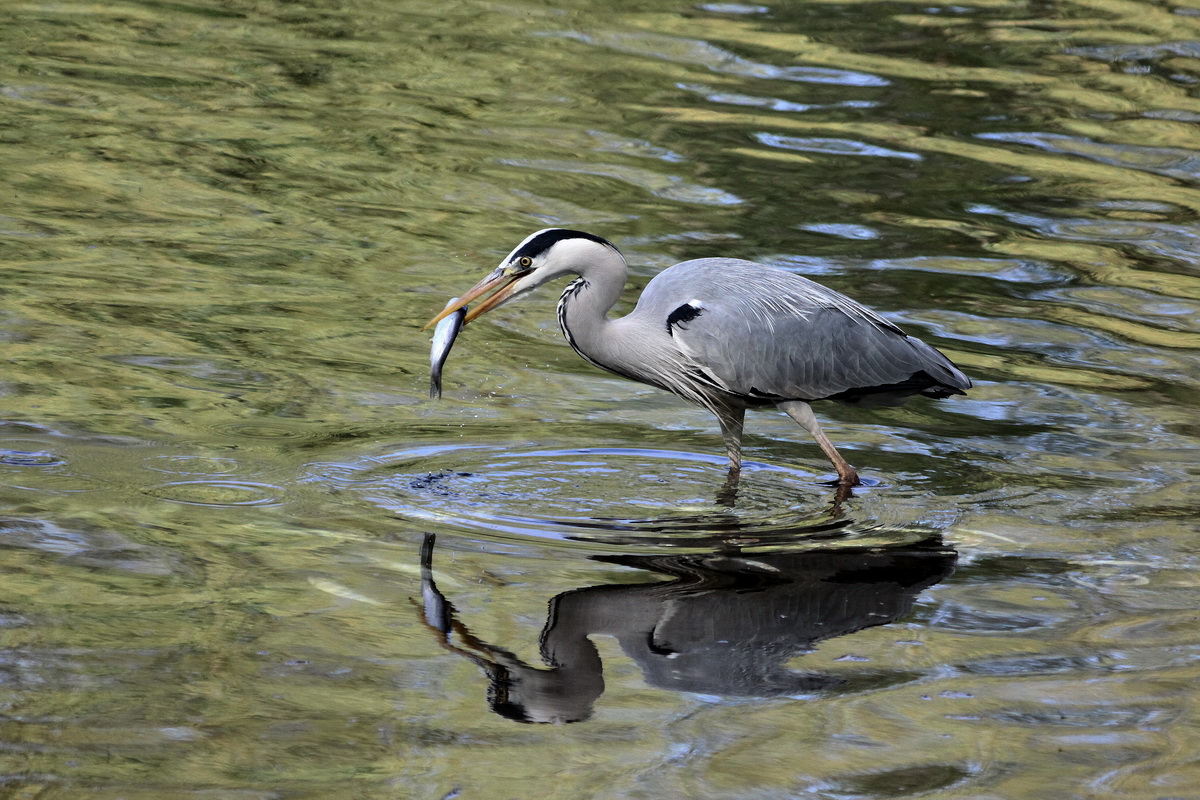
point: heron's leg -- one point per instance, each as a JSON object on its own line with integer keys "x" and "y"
{"x": 802, "y": 413}
{"x": 732, "y": 420}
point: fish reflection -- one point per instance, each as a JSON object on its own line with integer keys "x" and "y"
{"x": 726, "y": 625}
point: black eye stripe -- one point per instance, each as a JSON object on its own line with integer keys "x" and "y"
{"x": 547, "y": 239}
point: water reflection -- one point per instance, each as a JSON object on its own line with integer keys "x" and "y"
{"x": 583, "y": 497}
{"x": 727, "y": 624}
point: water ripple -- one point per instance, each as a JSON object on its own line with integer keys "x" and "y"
{"x": 668, "y": 187}
{"x": 276, "y": 429}
{"x": 1175, "y": 162}
{"x": 1138, "y": 52}
{"x": 829, "y": 146}
{"x": 217, "y": 493}
{"x": 30, "y": 458}
{"x": 702, "y": 53}
{"x": 1178, "y": 242}
{"x": 29, "y": 464}
{"x": 733, "y": 8}
{"x": 192, "y": 465}
{"x": 668, "y": 499}
{"x": 770, "y": 103}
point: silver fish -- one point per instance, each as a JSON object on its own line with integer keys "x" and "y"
{"x": 443, "y": 339}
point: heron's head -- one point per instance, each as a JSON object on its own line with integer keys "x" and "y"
{"x": 542, "y": 257}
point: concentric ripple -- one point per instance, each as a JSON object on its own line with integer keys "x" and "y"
{"x": 273, "y": 429}
{"x": 30, "y": 458}
{"x": 668, "y": 499}
{"x": 192, "y": 465}
{"x": 217, "y": 493}
{"x": 40, "y": 465}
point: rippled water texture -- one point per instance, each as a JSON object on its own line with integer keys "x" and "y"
{"x": 243, "y": 555}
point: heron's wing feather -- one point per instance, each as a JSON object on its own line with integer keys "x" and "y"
{"x": 761, "y": 331}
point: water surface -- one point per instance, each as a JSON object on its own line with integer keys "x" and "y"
{"x": 245, "y": 556}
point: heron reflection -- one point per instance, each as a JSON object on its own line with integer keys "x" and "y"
{"x": 727, "y": 624}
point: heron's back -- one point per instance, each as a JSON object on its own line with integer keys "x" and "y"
{"x": 765, "y": 334}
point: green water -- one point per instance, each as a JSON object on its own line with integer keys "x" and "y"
{"x": 224, "y": 222}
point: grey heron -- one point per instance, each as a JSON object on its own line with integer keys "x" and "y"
{"x": 723, "y": 333}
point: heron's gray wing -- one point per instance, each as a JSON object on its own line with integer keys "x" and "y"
{"x": 761, "y": 331}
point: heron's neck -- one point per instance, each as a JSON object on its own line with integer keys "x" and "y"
{"x": 583, "y": 309}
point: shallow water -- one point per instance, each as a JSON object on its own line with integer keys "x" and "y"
{"x": 245, "y": 556}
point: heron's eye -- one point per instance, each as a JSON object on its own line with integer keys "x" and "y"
{"x": 526, "y": 261}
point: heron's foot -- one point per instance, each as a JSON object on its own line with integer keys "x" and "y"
{"x": 847, "y": 484}
{"x": 864, "y": 481}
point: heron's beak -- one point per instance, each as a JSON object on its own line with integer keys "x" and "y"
{"x": 501, "y": 279}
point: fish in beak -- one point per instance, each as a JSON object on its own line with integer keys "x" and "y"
{"x": 443, "y": 340}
